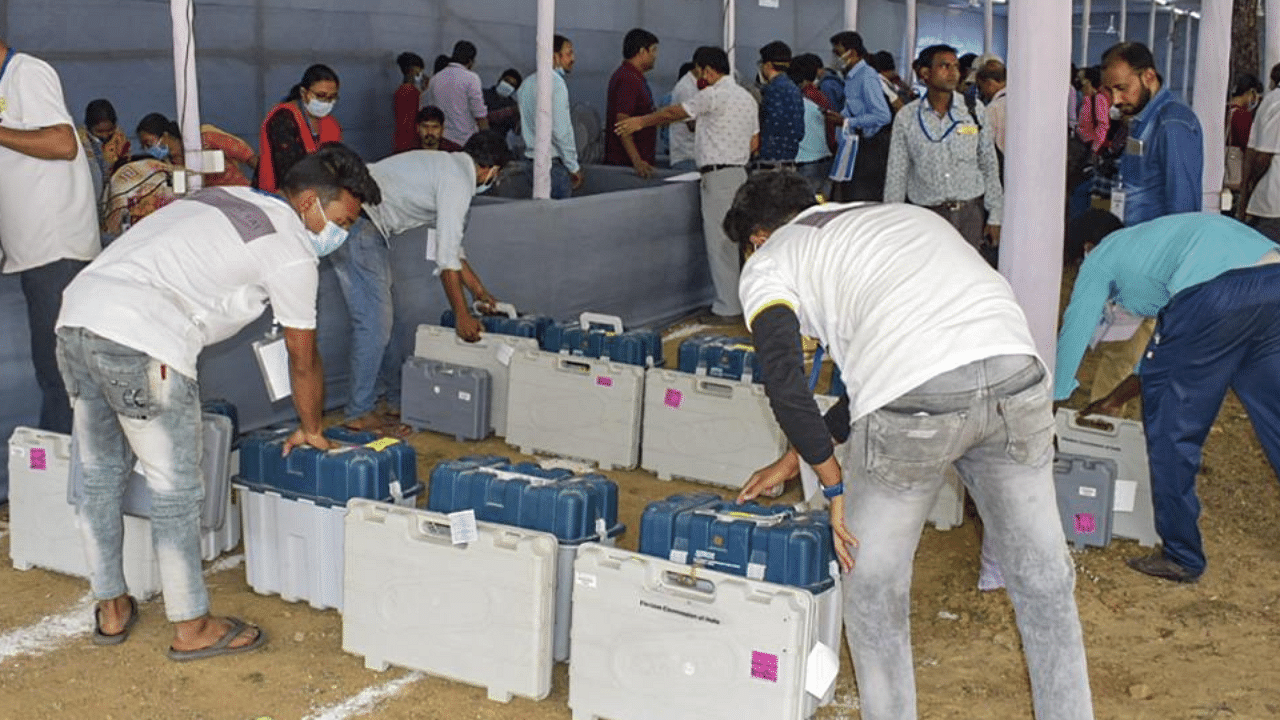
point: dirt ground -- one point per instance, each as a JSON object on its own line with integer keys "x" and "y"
{"x": 1156, "y": 650}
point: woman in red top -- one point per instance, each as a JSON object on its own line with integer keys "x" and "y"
{"x": 1245, "y": 94}
{"x": 283, "y": 141}
{"x": 1095, "y": 109}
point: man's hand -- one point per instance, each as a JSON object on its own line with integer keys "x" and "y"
{"x": 845, "y": 542}
{"x": 575, "y": 180}
{"x": 1108, "y": 406}
{"x": 486, "y": 303}
{"x": 993, "y": 232}
{"x": 301, "y": 437}
{"x": 779, "y": 472}
{"x": 643, "y": 169}
{"x": 468, "y": 327}
{"x": 629, "y": 126}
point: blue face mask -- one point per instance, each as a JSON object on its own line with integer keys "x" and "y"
{"x": 159, "y": 151}
{"x": 330, "y": 237}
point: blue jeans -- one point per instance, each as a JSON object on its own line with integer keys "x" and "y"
{"x": 127, "y": 404}
{"x": 561, "y": 183}
{"x": 992, "y": 420}
{"x": 43, "y": 288}
{"x": 1221, "y": 333}
{"x": 363, "y": 265}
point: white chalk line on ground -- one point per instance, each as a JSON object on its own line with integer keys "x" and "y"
{"x": 54, "y": 630}
{"x": 366, "y": 700}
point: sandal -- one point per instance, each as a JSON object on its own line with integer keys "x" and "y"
{"x": 222, "y": 646}
{"x": 101, "y": 638}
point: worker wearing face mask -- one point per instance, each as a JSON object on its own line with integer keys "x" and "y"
{"x": 299, "y": 125}
{"x": 504, "y": 113}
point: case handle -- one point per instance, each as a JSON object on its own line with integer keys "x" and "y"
{"x": 587, "y": 319}
{"x": 717, "y": 389}
{"x": 688, "y": 584}
{"x": 501, "y": 308}
{"x": 737, "y": 516}
{"x": 574, "y": 366}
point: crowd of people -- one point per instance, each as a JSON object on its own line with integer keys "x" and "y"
{"x": 936, "y": 355}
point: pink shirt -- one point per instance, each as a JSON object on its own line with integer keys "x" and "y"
{"x": 1095, "y": 120}
{"x": 456, "y": 91}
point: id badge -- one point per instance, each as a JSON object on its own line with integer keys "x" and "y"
{"x": 273, "y": 361}
{"x": 1117, "y": 203}
{"x": 1133, "y": 146}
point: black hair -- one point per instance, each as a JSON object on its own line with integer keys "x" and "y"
{"x": 1093, "y": 74}
{"x": 1275, "y": 74}
{"x": 966, "y": 63}
{"x": 777, "y": 52}
{"x": 332, "y": 168}
{"x": 925, "y": 58}
{"x": 712, "y": 57}
{"x": 1088, "y": 228}
{"x": 767, "y": 201}
{"x": 314, "y": 74}
{"x": 993, "y": 70}
{"x": 512, "y": 73}
{"x": 850, "y": 40}
{"x": 158, "y": 125}
{"x": 804, "y": 68}
{"x": 685, "y": 68}
{"x": 408, "y": 60}
{"x": 557, "y": 43}
{"x": 1245, "y": 82}
{"x": 97, "y": 111}
{"x": 428, "y": 113}
{"x": 441, "y": 62}
{"x": 1134, "y": 54}
{"x": 488, "y": 148}
{"x": 881, "y": 61}
{"x": 464, "y": 52}
{"x": 637, "y": 39}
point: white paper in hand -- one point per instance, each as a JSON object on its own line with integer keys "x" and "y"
{"x": 823, "y": 666}
{"x": 462, "y": 527}
{"x": 431, "y": 244}
{"x": 273, "y": 361}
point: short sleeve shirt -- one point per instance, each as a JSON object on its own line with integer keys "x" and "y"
{"x": 727, "y": 118}
{"x": 630, "y": 95}
{"x": 197, "y": 272}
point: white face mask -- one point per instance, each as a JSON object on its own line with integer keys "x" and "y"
{"x": 417, "y": 78}
{"x": 320, "y": 108}
{"x": 487, "y": 184}
{"x": 504, "y": 89}
{"x": 330, "y": 237}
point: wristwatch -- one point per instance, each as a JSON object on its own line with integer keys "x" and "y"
{"x": 830, "y": 491}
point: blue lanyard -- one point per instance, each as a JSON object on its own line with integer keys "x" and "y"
{"x": 7, "y": 57}
{"x": 920, "y": 118}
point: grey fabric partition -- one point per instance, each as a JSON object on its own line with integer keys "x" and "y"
{"x": 19, "y": 394}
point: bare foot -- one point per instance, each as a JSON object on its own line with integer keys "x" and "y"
{"x": 369, "y": 422}
{"x": 203, "y": 632}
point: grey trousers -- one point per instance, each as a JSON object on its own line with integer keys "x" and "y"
{"x": 718, "y": 188}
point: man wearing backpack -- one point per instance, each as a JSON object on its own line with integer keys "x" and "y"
{"x": 942, "y": 155}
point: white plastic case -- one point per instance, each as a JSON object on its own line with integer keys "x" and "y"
{"x": 1125, "y": 443}
{"x": 492, "y": 352}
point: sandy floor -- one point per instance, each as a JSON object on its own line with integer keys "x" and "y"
{"x": 1156, "y": 650}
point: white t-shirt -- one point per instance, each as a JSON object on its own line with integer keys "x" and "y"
{"x": 426, "y": 187}
{"x": 1265, "y": 137}
{"x": 47, "y": 210}
{"x": 893, "y": 291}
{"x": 727, "y": 117}
{"x": 681, "y": 135}
{"x": 197, "y": 272}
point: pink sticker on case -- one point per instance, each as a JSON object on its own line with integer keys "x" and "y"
{"x": 764, "y": 666}
{"x": 604, "y": 381}
{"x": 674, "y": 398}
{"x": 1085, "y": 524}
{"x": 38, "y": 459}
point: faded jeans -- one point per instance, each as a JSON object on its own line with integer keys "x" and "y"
{"x": 992, "y": 419}
{"x": 127, "y": 404}
{"x": 363, "y": 266}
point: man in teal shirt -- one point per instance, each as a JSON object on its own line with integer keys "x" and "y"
{"x": 566, "y": 175}
{"x": 1214, "y": 285}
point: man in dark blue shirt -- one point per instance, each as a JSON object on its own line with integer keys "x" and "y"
{"x": 781, "y": 110}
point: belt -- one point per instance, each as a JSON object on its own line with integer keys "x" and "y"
{"x": 773, "y": 165}
{"x": 954, "y": 205}
{"x": 712, "y": 168}
{"x": 813, "y": 162}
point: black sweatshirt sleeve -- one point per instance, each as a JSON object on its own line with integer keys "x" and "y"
{"x": 776, "y": 334}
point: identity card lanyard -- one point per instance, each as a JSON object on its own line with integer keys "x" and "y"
{"x": 7, "y": 57}
{"x": 920, "y": 118}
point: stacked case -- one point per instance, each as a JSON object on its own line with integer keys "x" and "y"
{"x": 446, "y": 398}
{"x": 293, "y": 507}
{"x": 1124, "y": 443}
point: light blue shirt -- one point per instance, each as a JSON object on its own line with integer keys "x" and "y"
{"x": 814, "y": 144}
{"x": 1164, "y": 178}
{"x": 563, "y": 145}
{"x": 1141, "y": 268}
{"x": 864, "y": 101}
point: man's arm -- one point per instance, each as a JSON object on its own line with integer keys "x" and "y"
{"x": 472, "y": 282}
{"x": 665, "y": 116}
{"x": 307, "y": 377}
{"x": 989, "y": 164}
{"x": 1256, "y": 164}
{"x": 1183, "y": 149}
{"x": 475, "y": 98}
{"x": 56, "y": 142}
{"x": 895, "y": 176}
{"x": 562, "y": 126}
{"x": 1088, "y": 299}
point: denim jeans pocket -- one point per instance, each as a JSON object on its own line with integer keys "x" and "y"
{"x": 1028, "y": 423}
{"x": 126, "y": 383}
{"x": 69, "y": 379}
{"x": 905, "y": 449}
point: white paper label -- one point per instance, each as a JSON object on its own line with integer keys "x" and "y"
{"x": 1117, "y": 204}
{"x": 273, "y": 360}
{"x": 1126, "y": 496}
{"x": 504, "y": 353}
{"x": 823, "y": 666}
{"x": 464, "y": 396}
{"x": 768, "y": 3}
{"x": 602, "y": 528}
{"x": 1086, "y": 491}
{"x": 431, "y": 244}
{"x": 679, "y": 556}
{"x": 462, "y": 527}
{"x": 755, "y": 571}
{"x": 585, "y": 580}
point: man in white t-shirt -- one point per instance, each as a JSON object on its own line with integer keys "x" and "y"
{"x": 941, "y": 370}
{"x": 48, "y": 219}
{"x": 1260, "y": 194}
{"x": 419, "y": 188}
{"x": 132, "y": 326}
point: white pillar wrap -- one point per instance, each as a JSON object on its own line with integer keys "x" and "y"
{"x": 1035, "y": 169}
{"x": 1168, "y": 48}
{"x": 909, "y": 51}
{"x": 542, "y": 130}
{"x": 989, "y": 27}
{"x": 731, "y": 35}
{"x": 1271, "y": 21}
{"x": 851, "y": 14}
{"x": 1186, "y": 62}
{"x": 1213, "y": 64}
{"x": 1086, "y": 16}
{"x": 1124, "y": 20}
{"x": 188, "y": 91}
{"x": 1151, "y": 27}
